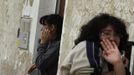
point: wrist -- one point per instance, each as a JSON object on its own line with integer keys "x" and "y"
{"x": 119, "y": 68}
{"x": 119, "y": 62}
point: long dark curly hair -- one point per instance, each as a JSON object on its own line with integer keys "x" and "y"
{"x": 91, "y": 30}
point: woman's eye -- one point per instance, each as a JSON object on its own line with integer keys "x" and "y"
{"x": 107, "y": 34}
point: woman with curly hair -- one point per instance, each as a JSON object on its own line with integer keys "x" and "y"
{"x": 99, "y": 48}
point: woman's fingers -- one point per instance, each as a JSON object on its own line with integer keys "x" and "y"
{"x": 109, "y": 47}
{"x": 114, "y": 44}
{"x": 103, "y": 46}
{"x": 107, "y": 44}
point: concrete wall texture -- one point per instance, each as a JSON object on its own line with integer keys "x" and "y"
{"x": 79, "y": 12}
{"x": 13, "y": 61}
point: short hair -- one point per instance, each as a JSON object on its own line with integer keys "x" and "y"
{"x": 91, "y": 30}
{"x": 53, "y": 19}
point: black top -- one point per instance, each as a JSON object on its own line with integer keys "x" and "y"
{"x": 47, "y": 58}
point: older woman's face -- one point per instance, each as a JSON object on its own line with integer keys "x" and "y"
{"x": 110, "y": 34}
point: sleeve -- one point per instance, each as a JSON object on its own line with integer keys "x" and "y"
{"x": 47, "y": 56}
{"x": 65, "y": 67}
{"x": 76, "y": 62}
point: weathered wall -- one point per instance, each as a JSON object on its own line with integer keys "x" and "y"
{"x": 13, "y": 61}
{"x": 78, "y": 12}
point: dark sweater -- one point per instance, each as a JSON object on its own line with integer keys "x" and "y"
{"x": 47, "y": 59}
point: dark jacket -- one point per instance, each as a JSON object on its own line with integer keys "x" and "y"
{"x": 47, "y": 59}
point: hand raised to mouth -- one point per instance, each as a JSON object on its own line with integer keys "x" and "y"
{"x": 110, "y": 51}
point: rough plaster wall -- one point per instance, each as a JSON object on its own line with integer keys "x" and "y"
{"x": 79, "y": 12}
{"x": 13, "y": 61}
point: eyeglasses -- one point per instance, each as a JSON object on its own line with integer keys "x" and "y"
{"x": 109, "y": 34}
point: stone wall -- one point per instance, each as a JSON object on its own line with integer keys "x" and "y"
{"x": 78, "y": 12}
{"x": 13, "y": 61}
